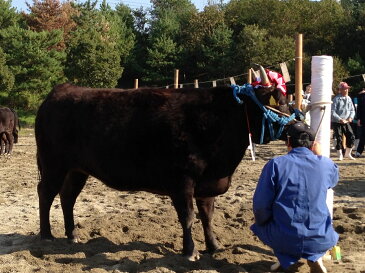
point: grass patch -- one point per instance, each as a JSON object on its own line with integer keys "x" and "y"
{"x": 27, "y": 119}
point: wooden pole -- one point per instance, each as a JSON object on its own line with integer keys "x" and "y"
{"x": 135, "y": 83}
{"x": 176, "y": 79}
{"x": 298, "y": 71}
{"x": 196, "y": 84}
{"x": 249, "y": 76}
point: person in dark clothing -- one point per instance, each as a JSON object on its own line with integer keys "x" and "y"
{"x": 361, "y": 122}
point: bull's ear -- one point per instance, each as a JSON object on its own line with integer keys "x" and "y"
{"x": 264, "y": 79}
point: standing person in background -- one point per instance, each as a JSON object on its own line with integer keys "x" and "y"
{"x": 306, "y": 104}
{"x": 342, "y": 114}
{"x": 354, "y": 125}
{"x": 361, "y": 122}
{"x": 289, "y": 204}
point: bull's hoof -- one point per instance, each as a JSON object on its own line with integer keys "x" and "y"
{"x": 74, "y": 238}
{"x": 194, "y": 257}
{"x": 47, "y": 238}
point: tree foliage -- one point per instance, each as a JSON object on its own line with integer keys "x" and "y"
{"x": 35, "y": 65}
{"x": 100, "y": 46}
{"x": 8, "y": 15}
{"x": 47, "y": 15}
{"x": 92, "y": 52}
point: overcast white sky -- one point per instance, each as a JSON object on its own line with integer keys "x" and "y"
{"x": 20, "y": 4}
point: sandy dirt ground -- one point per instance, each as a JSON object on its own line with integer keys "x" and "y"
{"x": 139, "y": 232}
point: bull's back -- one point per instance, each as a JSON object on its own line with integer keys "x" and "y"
{"x": 108, "y": 134}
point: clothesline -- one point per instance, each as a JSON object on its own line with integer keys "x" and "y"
{"x": 245, "y": 74}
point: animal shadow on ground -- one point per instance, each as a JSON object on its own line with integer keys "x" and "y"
{"x": 101, "y": 252}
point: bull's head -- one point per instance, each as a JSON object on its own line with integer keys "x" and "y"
{"x": 274, "y": 99}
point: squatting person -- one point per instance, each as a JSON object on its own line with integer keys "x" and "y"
{"x": 289, "y": 204}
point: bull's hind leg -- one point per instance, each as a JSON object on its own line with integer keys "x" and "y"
{"x": 48, "y": 187}
{"x": 9, "y": 143}
{"x": 183, "y": 203}
{"x": 206, "y": 209}
{"x": 72, "y": 187}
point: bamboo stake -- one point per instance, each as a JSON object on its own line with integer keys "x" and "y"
{"x": 196, "y": 84}
{"x": 176, "y": 79}
{"x": 135, "y": 83}
{"x": 249, "y": 76}
{"x": 298, "y": 71}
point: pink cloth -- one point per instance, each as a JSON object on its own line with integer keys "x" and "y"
{"x": 274, "y": 78}
{"x": 277, "y": 79}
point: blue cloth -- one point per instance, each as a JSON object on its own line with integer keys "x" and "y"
{"x": 289, "y": 204}
{"x": 342, "y": 108}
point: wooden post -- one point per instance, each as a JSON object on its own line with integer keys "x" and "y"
{"x": 176, "y": 79}
{"x": 249, "y": 76}
{"x": 135, "y": 83}
{"x": 298, "y": 71}
{"x": 196, "y": 84}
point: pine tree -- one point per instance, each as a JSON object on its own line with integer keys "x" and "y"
{"x": 35, "y": 66}
{"x": 51, "y": 15}
{"x": 93, "y": 57}
{"x": 8, "y": 15}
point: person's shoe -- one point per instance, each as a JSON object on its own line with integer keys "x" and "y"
{"x": 339, "y": 155}
{"x": 357, "y": 154}
{"x": 317, "y": 267}
{"x": 276, "y": 267}
{"x": 348, "y": 154}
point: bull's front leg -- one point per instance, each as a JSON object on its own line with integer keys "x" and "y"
{"x": 182, "y": 200}
{"x": 206, "y": 209}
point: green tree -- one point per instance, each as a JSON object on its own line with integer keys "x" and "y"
{"x": 165, "y": 40}
{"x": 256, "y": 45}
{"x": 93, "y": 57}
{"x": 35, "y": 66}
{"x": 8, "y": 15}
{"x": 217, "y": 52}
{"x": 202, "y": 37}
{"x": 161, "y": 60}
{"x": 6, "y": 77}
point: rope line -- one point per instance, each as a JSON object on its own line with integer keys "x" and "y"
{"x": 269, "y": 117}
{"x": 244, "y": 74}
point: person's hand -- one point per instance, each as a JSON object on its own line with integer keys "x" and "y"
{"x": 316, "y": 148}
{"x": 349, "y": 120}
{"x": 343, "y": 121}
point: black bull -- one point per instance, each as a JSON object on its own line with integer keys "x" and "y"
{"x": 184, "y": 143}
{"x": 8, "y": 129}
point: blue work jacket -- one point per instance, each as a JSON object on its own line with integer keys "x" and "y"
{"x": 289, "y": 204}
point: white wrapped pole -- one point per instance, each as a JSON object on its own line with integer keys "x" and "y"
{"x": 321, "y": 81}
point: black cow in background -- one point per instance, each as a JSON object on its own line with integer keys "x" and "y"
{"x": 183, "y": 143}
{"x": 8, "y": 129}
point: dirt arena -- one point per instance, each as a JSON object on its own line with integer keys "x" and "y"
{"x": 139, "y": 232}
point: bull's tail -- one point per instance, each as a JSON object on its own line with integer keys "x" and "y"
{"x": 16, "y": 123}
{"x": 39, "y": 168}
